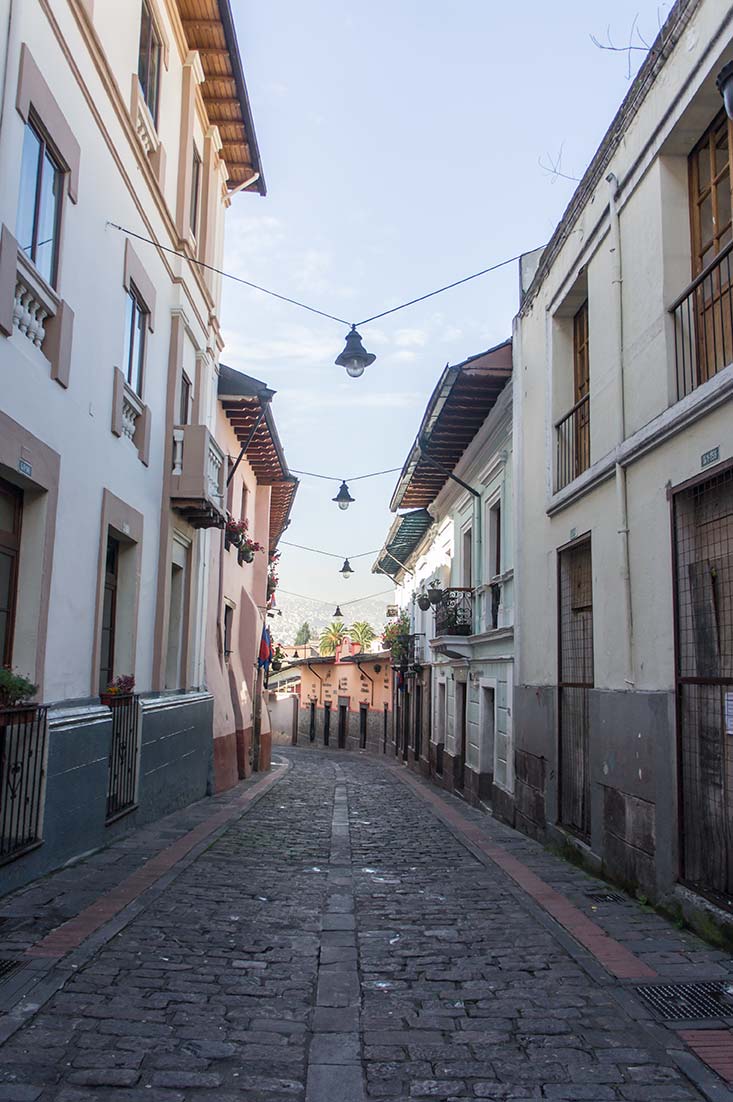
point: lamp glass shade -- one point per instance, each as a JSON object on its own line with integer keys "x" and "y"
{"x": 724, "y": 82}
{"x": 346, "y": 570}
{"x": 343, "y": 498}
{"x": 354, "y": 356}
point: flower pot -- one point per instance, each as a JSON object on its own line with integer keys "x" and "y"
{"x": 276, "y": 665}
{"x": 234, "y": 538}
{"x": 434, "y": 594}
{"x": 423, "y": 602}
{"x": 110, "y": 700}
{"x": 246, "y": 554}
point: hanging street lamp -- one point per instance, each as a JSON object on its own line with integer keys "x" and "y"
{"x": 724, "y": 83}
{"x": 338, "y": 614}
{"x": 346, "y": 570}
{"x": 354, "y": 356}
{"x": 343, "y": 498}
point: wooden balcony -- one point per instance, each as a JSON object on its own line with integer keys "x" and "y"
{"x": 197, "y": 479}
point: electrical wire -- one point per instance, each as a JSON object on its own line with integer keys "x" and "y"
{"x": 330, "y": 554}
{"x": 227, "y": 275}
{"x": 351, "y": 478}
{"x": 318, "y": 601}
{"x": 303, "y": 305}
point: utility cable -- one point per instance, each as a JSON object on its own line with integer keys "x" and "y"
{"x": 318, "y": 601}
{"x": 350, "y": 478}
{"x": 303, "y": 305}
{"x": 330, "y": 554}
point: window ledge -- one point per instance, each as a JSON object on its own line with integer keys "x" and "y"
{"x": 667, "y": 424}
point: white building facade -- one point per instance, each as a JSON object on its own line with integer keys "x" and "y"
{"x": 113, "y": 140}
{"x": 453, "y": 711}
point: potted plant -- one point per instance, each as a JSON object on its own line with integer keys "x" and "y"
{"x": 435, "y": 593}
{"x": 16, "y": 693}
{"x": 423, "y": 602}
{"x": 276, "y": 663}
{"x": 396, "y": 639}
{"x": 118, "y": 690}
{"x": 234, "y": 531}
{"x": 247, "y": 546}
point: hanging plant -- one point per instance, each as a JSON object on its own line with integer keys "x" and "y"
{"x": 396, "y": 639}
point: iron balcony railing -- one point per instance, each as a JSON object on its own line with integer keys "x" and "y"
{"x": 22, "y": 779}
{"x": 573, "y": 443}
{"x": 124, "y": 756}
{"x": 703, "y": 325}
{"x": 454, "y": 614}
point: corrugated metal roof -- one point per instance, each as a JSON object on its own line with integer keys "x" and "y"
{"x": 462, "y": 400}
{"x": 402, "y": 539}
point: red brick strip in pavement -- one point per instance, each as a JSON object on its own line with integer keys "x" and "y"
{"x": 714, "y": 1047}
{"x": 71, "y": 934}
{"x": 614, "y": 957}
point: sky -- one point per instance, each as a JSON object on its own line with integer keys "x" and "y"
{"x": 403, "y": 144}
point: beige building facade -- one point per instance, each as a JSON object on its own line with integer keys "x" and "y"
{"x": 623, "y": 437}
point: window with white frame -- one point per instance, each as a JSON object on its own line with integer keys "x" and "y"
{"x": 195, "y": 192}
{"x": 136, "y": 324}
{"x": 39, "y": 203}
{"x": 148, "y": 60}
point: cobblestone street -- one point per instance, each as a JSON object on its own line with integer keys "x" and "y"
{"x": 350, "y": 934}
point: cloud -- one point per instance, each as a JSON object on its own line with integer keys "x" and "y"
{"x": 410, "y": 338}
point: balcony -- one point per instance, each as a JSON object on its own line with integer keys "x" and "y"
{"x": 572, "y": 434}
{"x": 197, "y": 479}
{"x": 454, "y": 614}
{"x": 416, "y": 650}
{"x": 703, "y": 325}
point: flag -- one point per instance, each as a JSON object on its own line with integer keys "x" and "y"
{"x": 265, "y": 656}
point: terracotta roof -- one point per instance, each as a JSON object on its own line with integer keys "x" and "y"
{"x": 209, "y": 28}
{"x": 462, "y": 400}
{"x": 403, "y": 537}
{"x": 243, "y": 398}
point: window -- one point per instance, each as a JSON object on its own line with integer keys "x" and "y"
{"x": 710, "y": 202}
{"x": 136, "y": 323}
{"x": 195, "y": 188}
{"x": 228, "y": 625}
{"x": 109, "y": 614}
{"x": 184, "y": 411}
{"x": 467, "y": 559}
{"x": 11, "y": 506}
{"x": 148, "y": 60}
{"x": 573, "y": 430}
{"x": 39, "y": 204}
{"x": 495, "y": 540}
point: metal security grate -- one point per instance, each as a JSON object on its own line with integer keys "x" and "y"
{"x": 606, "y": 897}
{"x": 7, "y": 967}
{"x": 575, "y": 639}
{"x": 689, "y": 1001}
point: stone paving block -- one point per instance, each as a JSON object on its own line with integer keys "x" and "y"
{"x": 335, "y": 1083}
{"x": 334, "y": 1048}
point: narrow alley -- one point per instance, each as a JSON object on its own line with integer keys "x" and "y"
{"x": 336, "y": 932}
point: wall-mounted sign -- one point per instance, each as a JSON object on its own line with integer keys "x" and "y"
{"x": 709, "y": 457}
{"x": 25, "y": 467}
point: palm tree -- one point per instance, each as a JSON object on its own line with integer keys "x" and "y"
{"x": 362, "y": 633}
{"x": 331, "y": 636}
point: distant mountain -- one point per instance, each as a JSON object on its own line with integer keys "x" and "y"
{"x": 319, "y": 615}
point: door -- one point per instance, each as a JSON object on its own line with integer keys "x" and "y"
{"x": 11, "y": 507}
{"x": 703, "y": 544}
{"x": 312, "y": 723}
{"x": 343, "y": 722}
{"x": 109, "y": 614}
{"x": 460, "y": 732}
{"x": 363, "y": 713}
{"x": 326, "y": 723}
{"x": 575, "y": 680}
{"x": 417, "y": 728}
{"x": 405, "y": 713}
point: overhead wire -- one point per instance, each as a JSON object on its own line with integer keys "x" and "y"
{"x": 349, "y": 478}
{"x": 318, "y": 601}
{"x": 330, "y": 554}
{"x": 303, "y": 305}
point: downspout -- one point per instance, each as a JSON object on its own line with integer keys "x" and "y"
{"x": 371, "y": 679}
{"x": 620, "y": 415}
{"x": 320, "y": 691}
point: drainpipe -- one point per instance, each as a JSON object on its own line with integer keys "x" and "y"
{"x": 620, "y": 416}
{"x": 320, "y": 691}
{"x": 358, "y": 666}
